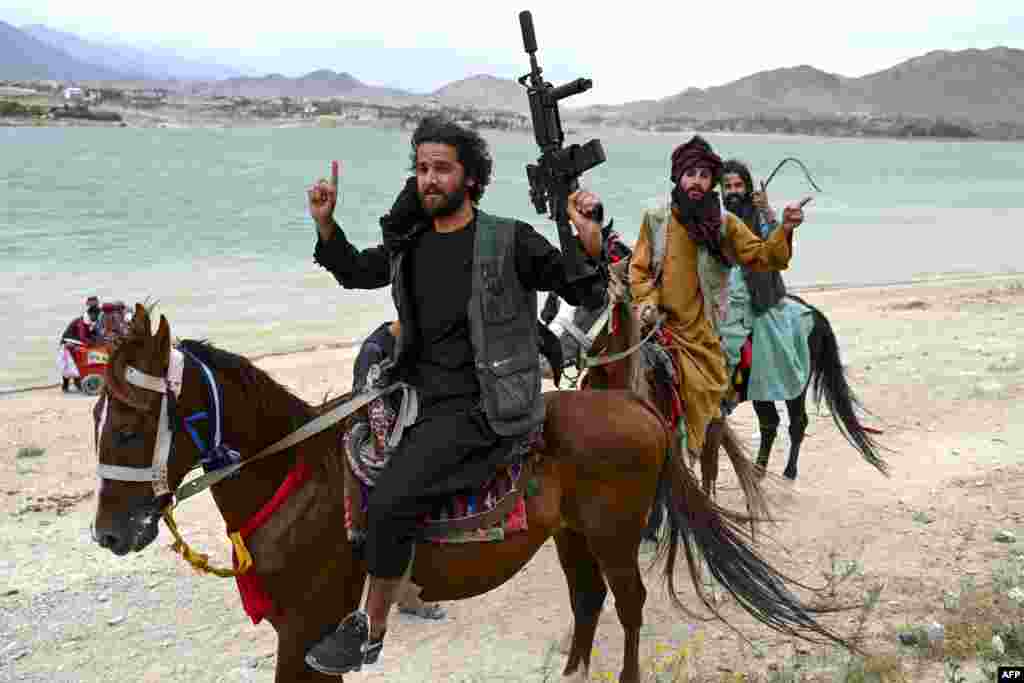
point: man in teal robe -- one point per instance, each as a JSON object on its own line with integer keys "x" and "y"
{"x": 774, "y": 328}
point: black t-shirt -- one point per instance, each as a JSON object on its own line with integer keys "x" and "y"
{"x": 442, "y": 280}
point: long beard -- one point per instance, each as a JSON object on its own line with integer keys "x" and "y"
{"x": 452, "y": 202}
{"x": 695, "y": 211}
{"x": 702, "y": 220}
{"x": 766, "y": 289}
{"x": 742, "y": 206}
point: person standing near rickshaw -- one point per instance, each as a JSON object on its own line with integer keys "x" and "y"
{"x": 83, "y": 330}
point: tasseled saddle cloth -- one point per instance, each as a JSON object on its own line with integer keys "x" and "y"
{"x": 487, "y": 514}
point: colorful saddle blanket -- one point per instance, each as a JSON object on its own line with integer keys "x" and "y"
{"x": 487, "y": 514}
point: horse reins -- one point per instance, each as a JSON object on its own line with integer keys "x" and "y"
{"x": 595, "y": 361}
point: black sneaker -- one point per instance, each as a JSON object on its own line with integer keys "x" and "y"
{"x": 347, "y": 649}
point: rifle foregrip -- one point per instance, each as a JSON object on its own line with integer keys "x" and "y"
{"x": 529, "y": 37}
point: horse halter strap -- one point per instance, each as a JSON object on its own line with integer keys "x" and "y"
{"x": 212, "y": 457}
{"x": 157, "y": 472}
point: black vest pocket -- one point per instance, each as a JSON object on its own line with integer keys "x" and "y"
{"x": 498, "y": 305}
{"x": 512, "y": 389}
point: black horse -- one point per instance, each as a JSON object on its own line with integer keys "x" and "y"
{"x": 827, "y": 381}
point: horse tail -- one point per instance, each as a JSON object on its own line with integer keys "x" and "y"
{"x": 746, "y": 473}
{"x": 828, "y": 381}
{"x": 718, "y": 535}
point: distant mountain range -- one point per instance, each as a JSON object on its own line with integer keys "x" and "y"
{"x": 322, "y": 83}
{"x": 24, "y": 57}
{"x": 133, "y": 63}
{"x": 969, "y": 85}
{"x": 502, "y": 94}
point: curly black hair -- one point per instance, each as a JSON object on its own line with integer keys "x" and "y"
{"x": 739, "y": 168}
{"x": 470, "y": 149}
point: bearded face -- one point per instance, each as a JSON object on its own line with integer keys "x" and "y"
{"x": 438, "y": 204}
{"x": 695, "y": 182}
{"x": 735, "y": 194}
{"x": 441, "y": 181}
{"x": 692, "y": 195}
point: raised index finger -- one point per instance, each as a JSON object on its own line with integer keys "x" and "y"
{"x": 334, "y": 174}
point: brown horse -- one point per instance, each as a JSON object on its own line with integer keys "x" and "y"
{"x": 620, "y": 343}
{"x": 601, "y": 460}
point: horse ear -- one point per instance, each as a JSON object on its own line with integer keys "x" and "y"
{"x": 163, "y": 339}
{"x": 140, "y": 321}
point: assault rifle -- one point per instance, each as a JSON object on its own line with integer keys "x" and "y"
{"x": 556, "y": 174}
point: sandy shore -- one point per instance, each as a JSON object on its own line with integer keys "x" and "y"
{"x": 938, "y": 364}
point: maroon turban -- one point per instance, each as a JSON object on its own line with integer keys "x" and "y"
{"x": 703, "y": 219}
{"x": 696, "y": 152}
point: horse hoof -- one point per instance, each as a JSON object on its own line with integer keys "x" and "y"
{"x": 579, "y": 676}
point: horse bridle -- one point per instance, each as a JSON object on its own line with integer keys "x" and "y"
{"x": 156, "y": 473}
{"x": 213, "y": 455}
{"x": 595, "y": 361}
{"x": 584, "y": 360}
{"x": 219, "y": 461}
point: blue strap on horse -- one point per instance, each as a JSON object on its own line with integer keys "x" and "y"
{"x": 217, "y": 455}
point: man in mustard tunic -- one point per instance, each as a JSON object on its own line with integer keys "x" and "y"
{"x": 680, "y": 268}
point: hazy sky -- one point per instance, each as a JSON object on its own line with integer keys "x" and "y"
{"x": 632, "y": 50}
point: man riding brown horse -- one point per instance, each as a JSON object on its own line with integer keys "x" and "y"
{"x": 295, "y": 562}
{"x": 464, "y": 284}
{"x": 378, "y": 348}
{"x": 680, "y": 267}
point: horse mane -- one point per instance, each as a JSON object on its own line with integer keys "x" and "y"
{"x": 252, "y": 378}
{"x": 268, "y": 394}
{"x": 628, "y": 323}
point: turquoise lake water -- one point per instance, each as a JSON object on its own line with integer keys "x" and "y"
{"x": 212, "y": 223}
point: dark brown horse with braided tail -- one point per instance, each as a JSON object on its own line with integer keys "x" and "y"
{"x": 619, "y": 358}
{"x": 598, "y": 469}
